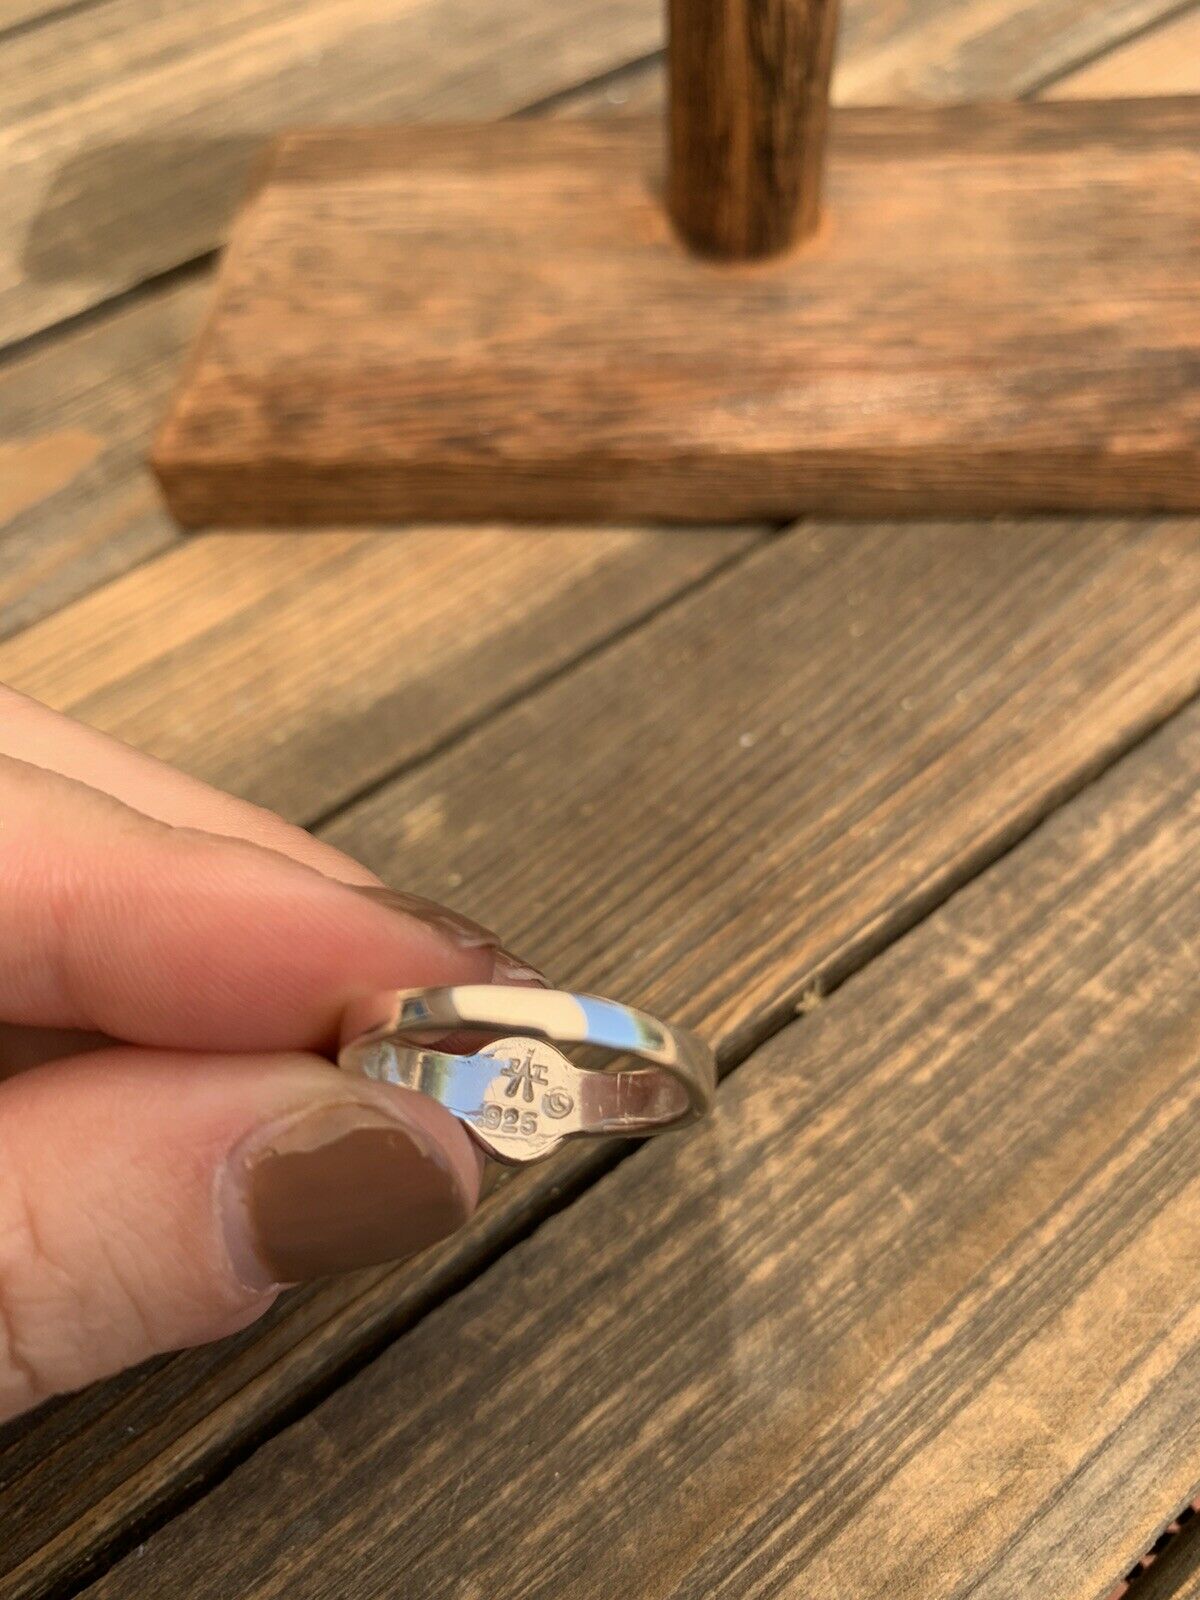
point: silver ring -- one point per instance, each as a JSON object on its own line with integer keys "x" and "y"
{"x": 519, "y": 1096}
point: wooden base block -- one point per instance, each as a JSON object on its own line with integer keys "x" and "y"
{"x": 1001, "y": 310}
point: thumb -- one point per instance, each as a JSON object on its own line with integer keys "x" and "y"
{"x": 150, "y": 1201}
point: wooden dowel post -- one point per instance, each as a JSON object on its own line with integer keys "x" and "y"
{"x": 749, "y": 99}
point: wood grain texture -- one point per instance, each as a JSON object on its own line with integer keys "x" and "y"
{"x": 94, "y": 1468}
{"x": 1001, "y": 312}
{"x": 90, "y": 87}
{"x": 297, "y": 672}
{"x": 716, "y": 816}
{"x": 849, "y": 702}
{"x": 912, "y": 1316}
{"x": 70, "y": 526}
{"x": 76, "y": 503}
{"x": 749, "y": 108}
{"x": 76, "y": 415}
{"x": 78, "y": 411}
{"x": 126, "y": 129}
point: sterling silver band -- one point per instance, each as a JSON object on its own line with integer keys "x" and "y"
{"x": 519, "y": 1096}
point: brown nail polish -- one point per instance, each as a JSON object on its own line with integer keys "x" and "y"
{"x": 340, "y": 1187}
{"x": 462, "y": 931}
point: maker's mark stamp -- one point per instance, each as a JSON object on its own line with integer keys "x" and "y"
{"x": 557, "y": 1103}
{"x": 530, "y": 1104}
{"x": 522, "y": 1075}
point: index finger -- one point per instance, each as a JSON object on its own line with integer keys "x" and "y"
{"x": 114, "y": 922}
{"x": 33, "y": 732}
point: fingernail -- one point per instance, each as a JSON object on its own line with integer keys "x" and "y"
{"x": 507, "y": 968}
{"x": 462, "y": 931}
{"x": 465, "y": 933}
{"x": 341, "y": 1186}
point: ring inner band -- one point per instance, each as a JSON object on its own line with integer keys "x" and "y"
{"x": 641, "y": 1099}
{"x": 518, "y": 1093}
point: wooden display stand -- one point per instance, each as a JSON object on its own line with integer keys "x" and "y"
{"x": 996, "y": 308}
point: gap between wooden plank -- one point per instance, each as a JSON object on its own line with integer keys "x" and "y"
{"x": 877, "y": 1330}
{"x": 113, "y": 183}
{"x": 26, "y": 18}
{"x": 1084, "y": 65}
{"x": 594, "y": 88}
{"x": 1167, "y": 58}
{"x": 350, "y": 655}
{"x": 903, "y": 702}
{"x": 1169, "y": 1562}
{"x": 581, "y": 585}
{"x": 95, "y": 315}
{"x": 76, "y": 505}
{"x": 739, "y": 549}
{"x": 1175, "y": 1575}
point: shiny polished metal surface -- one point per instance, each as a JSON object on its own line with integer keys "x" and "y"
{"x": 519, "y": 1095}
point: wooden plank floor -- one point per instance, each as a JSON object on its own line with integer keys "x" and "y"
{"x": 726, "y": 772}
{"x": 752, "y": 826}
{"x": 859, "y": 1334}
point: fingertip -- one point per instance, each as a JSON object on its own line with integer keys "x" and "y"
{"x": 352, "y": 1182}
{"x": 150, "y": 1200}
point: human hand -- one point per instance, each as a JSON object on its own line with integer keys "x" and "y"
{"x": 174, "y": 1142}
